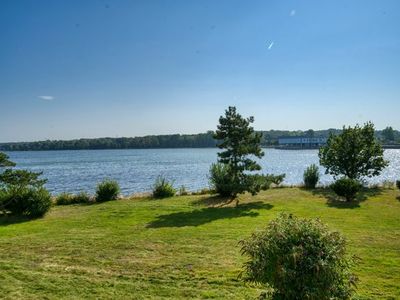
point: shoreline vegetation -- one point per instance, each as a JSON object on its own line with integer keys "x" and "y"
{"x": 390, "y": 139}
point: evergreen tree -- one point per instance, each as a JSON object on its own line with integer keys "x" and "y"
{"x": 239, "y": 141}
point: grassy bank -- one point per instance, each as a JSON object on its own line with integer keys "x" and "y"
{"x": 183, "y": 247}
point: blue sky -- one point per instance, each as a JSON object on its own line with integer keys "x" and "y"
{"x": 71, "y": 69}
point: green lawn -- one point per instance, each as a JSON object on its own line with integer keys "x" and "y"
{"x": 182, "y": 247}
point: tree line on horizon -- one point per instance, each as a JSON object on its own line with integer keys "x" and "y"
{"x": 201, "y": 140}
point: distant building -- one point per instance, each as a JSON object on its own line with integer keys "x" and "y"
{"x": 301, "y": 142}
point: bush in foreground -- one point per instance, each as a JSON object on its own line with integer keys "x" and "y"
{"x": 299, "y": 259}
{"x": 162, "y": 188}
{"x": 67, "y": 199}
{"x": 398, "y": 184}
{"x": 107, "y": 190}
{"x": 311, "y": 176}
{"x": 346, "y": 188}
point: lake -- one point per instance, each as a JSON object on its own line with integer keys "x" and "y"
{"x": 137, "y": 169}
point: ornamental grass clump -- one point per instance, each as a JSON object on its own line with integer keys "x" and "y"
{"x": 297, "y": 258}
{"x": 311, "y": 176}
{"x": 107, "y": 190}
{"x": 162, "y": 188}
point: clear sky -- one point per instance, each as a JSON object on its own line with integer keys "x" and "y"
{"x": 73, "y": 68}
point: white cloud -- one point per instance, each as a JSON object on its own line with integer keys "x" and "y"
{"x": 48, "y": 98}
{"x": 292, "y": 12}
{"x": 270, "y": 45}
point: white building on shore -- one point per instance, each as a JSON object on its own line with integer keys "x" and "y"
{"x": 301, "y": 142}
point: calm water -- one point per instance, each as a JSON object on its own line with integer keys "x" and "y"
{"x": 136, "y": 170}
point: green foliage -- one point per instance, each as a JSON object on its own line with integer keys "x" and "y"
{"x": 162, "y": 188}
{"x": 240, "y": 142}
{"x": 398, "y": 184}
{"x": 347, "y": 188}
{"x": 220, "y": 180}
{"x": 28, "y": 201}
{"x": 311, "y": 176}
{"x": 23, "y": 193}
{"x": 4, "y": 161}
{"x": 183, "y": 191}
{"x": 20, "y": 179}
{"x": 67, "y": 198}
{"x": 354, "y": 153}
{"x": 107, "y": 190}
{"x": 222, "y": 183}
{"x": 388, "y": 134}
{"x": 299, "y": 259}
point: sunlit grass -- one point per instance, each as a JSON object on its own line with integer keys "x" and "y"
{"x": 183, "y": 247}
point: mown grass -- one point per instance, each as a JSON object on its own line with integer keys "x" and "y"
{"x": 183, "y": 247}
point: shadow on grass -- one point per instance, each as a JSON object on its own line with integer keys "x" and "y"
{"x": 205, "y": 215}
{"x": 335, "y": 201}
{"x": 214, "y": 201}
{"x": 13, "y": 219}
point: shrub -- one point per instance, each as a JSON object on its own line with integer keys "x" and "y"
{"x": 32, "y": 202}
{"x": 162, "y": 188}
{"x": 107, "y": 190}
{"x": 311, "y": 176}
{"x": 398, "y": 184}
{"x": 299, "y": 259}
{"x": 67, "y": 199}
{"x": 220, "y": 180}
{"x": 183, "y": 191}
{"x": 346, "y": 187}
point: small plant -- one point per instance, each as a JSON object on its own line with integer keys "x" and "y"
{"x": 183, "y": 191}
{"x": 311, "y": 176}
{"x": 299, "y": 259}
{"x": 347, "y": 188}
{"x": 162, "y": 188}
{"x": 107, "y": 190}
{"x": 67, "y": 199}
{"x": 220, "y": 180}
{"x": 398, "y": 184}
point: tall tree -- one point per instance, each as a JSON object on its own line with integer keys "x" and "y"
{"x": 355, "y": 153}
{"x": 240, "y": 142}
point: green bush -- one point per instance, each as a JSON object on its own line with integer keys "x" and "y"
{"x": 299, "y": 259}
{"x": 107, "y": 190}
{"x": 398, "y": 184}
{"x": 311, "y": 176}
{"x": 28, "y": 201}
{"x": 162, "y": 188}
{"x": 220, "y": 180}
{"x": 67, "y": 199}
{"x": 347, "y": 188}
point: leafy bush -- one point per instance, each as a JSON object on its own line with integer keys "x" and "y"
{"x": 299, "y": 259}
{"x": 346, "y": 187}
{"x": 398, "y": 184}
{"x": 28, "y": 201}
{"x": 67, "y": 199}
{"x": 162, "y": 188}
{"x": 107, "y": 190}
{"x": 311, "y": 176}
{"x": 220, "y": 180}
{"x": 23, "y": 193}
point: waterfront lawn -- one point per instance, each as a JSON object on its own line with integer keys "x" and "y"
{"x": 181, "y": 247}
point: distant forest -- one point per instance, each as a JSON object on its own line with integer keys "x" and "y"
{"x": 201, "y": 140}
